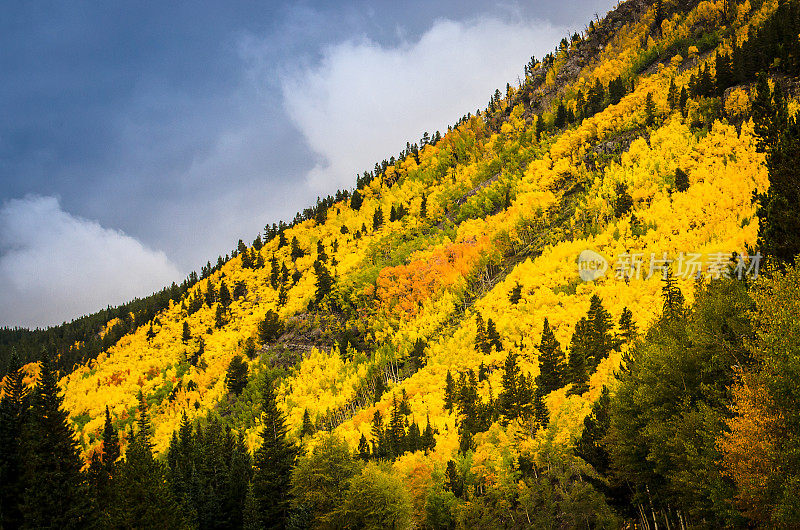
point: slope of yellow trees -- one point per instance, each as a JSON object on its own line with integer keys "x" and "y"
{"x": 429, "y": 277}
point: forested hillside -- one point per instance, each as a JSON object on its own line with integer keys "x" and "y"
{"x": 425, "y": 350}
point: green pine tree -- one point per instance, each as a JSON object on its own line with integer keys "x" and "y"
{"x": 308, "y": 428}
{"x": 552, "y": 364}
{"x": 236, "y": 375}
{"x": 54, "y": 491}
{"x": 273, "y": 463}
{"x": 14, "y": 411}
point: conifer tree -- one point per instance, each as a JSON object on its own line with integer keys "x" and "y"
{"x": 377, "y": 218}
{"x": 141, "y": 493}
{"x": 296, "y": 251}
{"x": 672, "y": 94}
{"x": 363, "y": 448}
{"x": 324, "y": 282}
{"x": 623, "y": 201}
{"x": 378, "y": 436}
{"x": 418, "y": 352}
{"x": 481, "y": 344}
{"x": 275, "y": 271}
{"x": 681, "y": 180}
{"x": 247, "y": 260}
{"x": 454, "y": 482}
{"x": 600, "y": 339}
{"x": 428, "y": 440}
{"x": 627, "y": 326}
{"x": 395, "y": 433}
{"x": 577, "y": 369}
{"x": 54, "y": 491}
{"x": 111, "y": 447}
{"x": 270, "y": 328}
{"x": 236, "y": 375}
{"x": 273, "y": 463}
{"x": 673, "y": 298}
{"x": 509, "y": 401}
{"x": 516, "y": 294}
{"x": 224, "y": 295}
{"x": 219, "y": 316}
{"x": 423, "y": 207}
{"x": 552, "y": 365}
{"x": 492, "y": 337}
{"x": 468, "y": 412}
{"x": 14, "y": 410}
{"x": 449, "y": 392}
{"x": 356, "y": 200}
{"x": 186, "y": 335}
{"x": 540, "y": 412}
{"x": 308, "y": 426}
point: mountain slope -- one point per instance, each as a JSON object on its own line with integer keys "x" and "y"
{"x": 382, "y": 293}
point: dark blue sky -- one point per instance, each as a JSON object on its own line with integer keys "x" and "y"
{"x": 186, "y": 126}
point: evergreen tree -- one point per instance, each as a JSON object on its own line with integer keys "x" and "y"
{"x": 219, "y": 316}
{"x": 270, "y": 328}
{"x": 623, "y": 201}
{"x": 540, "y": 412}
{"x": 321, "y": 255}
{"x": 324, "y": 282}
{"x": 377, "y": 218}
{"x": 509, "y": 402}
{"x": 247, "y": 260}
{"x": 236, "y": 375}
{"x": 224, "y": 295}
{"x": 481, "y": 344}
{"x": 54, "y": 491}
{"x": 141, "y": 495}
{"x": 627, "y": 326}
{"x": 308, "y": 428}
{"x": 428, "y": 440}
{"x": 516, "y": 294}
{"x": 673, "y": 298}
{"x": 423, "y": 207}
{"x": 275, "y": 271}
{"x": 378, "y": 436}
{"x": 395, "y": 433}
{"x": 418, "y": 352}
{"x": 779, "y": 138}
{"x": 363, "y": 448}
{"x": 449, "y": 392}
{"x": 578, "y": 373}
{"x": 552, "y": 365}
{"x": 453, "y": 479}
{"x": 273, "y": 463}
{"x": 492, "y": 336}
{"x": 111, "y": 447}
{"x": 14, "y": 410}
{"x": 186, "y": 335}
{"x": 283, "y": 296}
{"x": 600, "y": 336}
{"x": 356, "y": 200}
{"x": 468, "y": 412}
{"x": 681, "y": 180}
{"x": 672, "y": 94}
{"x": 251, "y": 516}
{"x": 296, "y": 251}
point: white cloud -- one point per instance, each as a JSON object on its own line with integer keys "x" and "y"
{"x": 55, "y": 267}
{"x": 363, "y": 101}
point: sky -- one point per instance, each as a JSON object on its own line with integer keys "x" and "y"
{"x": 139, "y": 140}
